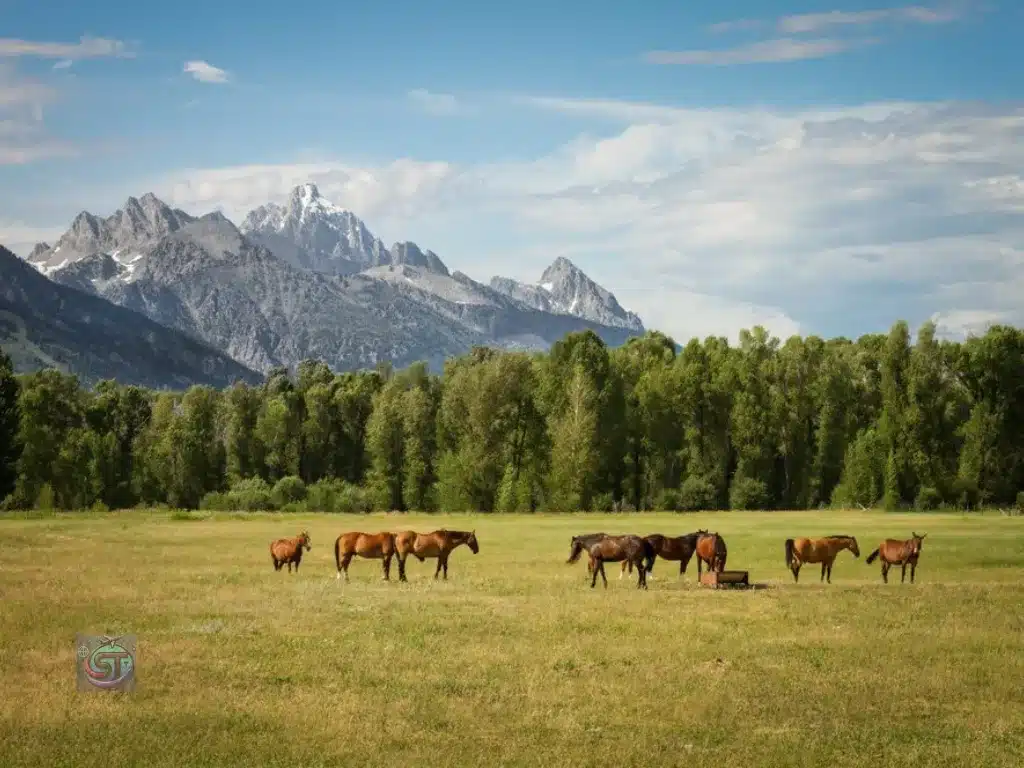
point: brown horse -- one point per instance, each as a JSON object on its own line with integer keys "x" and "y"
{"x": 711, "y": 550}
{"x": 896, "y": 552}
{"x": 289, "y": 551}
{"x": 824, "y": 551}
{"x": 437, "y": 544}
{"x": 679, "y": 548}
{"x": 373, "y": 546}
{"x": 586, "y": 540}
{"x": 613, "y": 549}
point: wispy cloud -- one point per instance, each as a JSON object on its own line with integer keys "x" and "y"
{"x": 22, "y": 135}
{"x": 434, "y": 103}
{"x": 85, "y": 48}
{"x": 816, "y": 22}
{"x": 205, "y": 72}
{"x": 63, "y": 64}
{"x": 767, "y": 51}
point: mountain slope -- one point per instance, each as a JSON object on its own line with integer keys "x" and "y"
{"x": 208, "y": 280}
{"x": 43, "y": 324}
{"x": 308, "y": 280}
{"x": 123, "y": 234}
{"x": 313, "y": 233}
{"x": 564, "y": 289}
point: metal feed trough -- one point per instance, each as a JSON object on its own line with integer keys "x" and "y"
{"x": 725, "y": 579}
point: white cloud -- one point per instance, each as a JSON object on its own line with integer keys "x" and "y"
{"x": 205, "y": 72}
{"x": 707, "y": 221}
{"x": 766, "y": 51}
{"x": 21, "y": 238}
{"x": 86, "y": 48}
{"x": 433, "y": 103}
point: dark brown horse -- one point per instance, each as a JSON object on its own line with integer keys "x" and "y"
{"x": 374, "y": 546}
{"x": 896, "y": 552}
{"x": 711, "y": 550}
{"x": 437, "y": 544}
{"x": 289, "y": 551}
{"x": 679, "y": 548}
{"x": 586, "y": 539}
{"x": 613, "y": 549}
{"x": 824, "y": 551}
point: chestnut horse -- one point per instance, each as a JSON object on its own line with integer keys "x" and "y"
{"x": 896, "y": 552}
{"x": 373, "y": 546}
{"x": 668, "y": 548}
{"x": 613, "y": 549}
{"x": 824, "y": 551}
{"x": 710, "y": 549}
{"x": 289, "y": 551}
{"x": 437, "y": 544}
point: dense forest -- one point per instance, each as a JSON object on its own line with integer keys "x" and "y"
{"x": 888, "y": 420}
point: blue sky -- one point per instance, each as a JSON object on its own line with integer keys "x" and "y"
{"x": 818, "y": 167}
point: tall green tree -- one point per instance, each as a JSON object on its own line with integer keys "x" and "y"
{"x": 10, "y": 417}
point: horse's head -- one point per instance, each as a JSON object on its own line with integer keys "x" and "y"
{"x": 853, "y": 546}
{"x": 472, "y": 543}
{"x": 575, "y": 549}
{"x": 304, "y": 541}
{"x": 916, "y": 542}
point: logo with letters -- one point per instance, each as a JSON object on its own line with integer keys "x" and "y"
{"x": 105, "y": 663}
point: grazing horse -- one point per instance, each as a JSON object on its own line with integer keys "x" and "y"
{"x": 289, "y": 551}
{"x": 824, "y": 551}
{"x": 710, "y": 549}
{"x": 679, "y": 548}
{"x": 613, "y": 549}
{"x": 586, "y": 540}
{"x": 437, "y": 544}
{"x": 896, "y": 552}
{"x": 374, "y": 546}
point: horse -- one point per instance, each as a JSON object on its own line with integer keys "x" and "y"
{"x": 824, "y": 551}
{"x": 613, "y": 549}
{"x": 710, "y": 549}
{"x": 668, "y": 548}
{"x": 376, "y": 546}
{"x": 586, "y": 540}
{"x": 896, "y": 552}
{"x": 289, "y": 551}
{"x": 437, "y": 544}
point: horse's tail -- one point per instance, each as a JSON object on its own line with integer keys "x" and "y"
{"x": 577, "y": 550}
{"x": 789, "y": 553}
{"x": 872, "y": 556}
{"x": 649, "y": 555}
{"x": 337, "y": 554}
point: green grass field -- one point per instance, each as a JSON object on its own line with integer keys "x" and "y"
{"x": 515, "y": 660}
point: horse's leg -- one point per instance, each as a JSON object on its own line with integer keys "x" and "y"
{"x": 796, "y": 570}
{"x": 593, "y": 571}
{"x": 885, "y": 572}
{"x": 438, "y": 571}
{"x": 345, "y": 560}
{"x": 642, "y": 581}
{"x": 600, "y": 565}
{"x": 700, "y": 562}
{"x": 903, "y": 574}
{"x": 297, "y": 564}
{"x": 444, "y": 565}
{"x": 829, "y": 574}
{"x": 823, "y": 566}
{"x": 622, "y": 569}
{"x": 913, "y": 567}
{"x": 386, "y": 565}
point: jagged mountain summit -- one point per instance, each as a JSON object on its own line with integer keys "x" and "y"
{"x": 311, "y": 232}
{"x": 123, "y": 235}
{"x": 44, "y": 324}
{"x": 308, "y": 279}
{"x": 566, "y": 290}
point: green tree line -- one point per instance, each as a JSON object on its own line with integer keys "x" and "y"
{"x": 886, "y": 420}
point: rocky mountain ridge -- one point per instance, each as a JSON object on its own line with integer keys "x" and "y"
{"x": 308, "y": 279}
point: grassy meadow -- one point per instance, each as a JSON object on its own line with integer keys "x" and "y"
{"x": 515, "y": 660}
